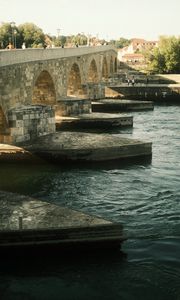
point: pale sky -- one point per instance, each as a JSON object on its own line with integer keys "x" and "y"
{"x": 109, "y": 19}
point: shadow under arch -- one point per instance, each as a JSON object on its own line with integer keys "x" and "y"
{"x": 74, "y": 83}
{"x": 92, "y": 72}
{"x": 115, "y": 64}
{"x": 44, "y": 89}
{"x": 111, "y": 66}
{"x": 3, "y": 121}
{"x": 105, "y": 74}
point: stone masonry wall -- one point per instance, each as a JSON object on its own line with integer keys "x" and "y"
{"x": 30, "y": 122}
{"x": 70, "y": 107}
{"x": 96, "y": 91}
{"x": 20, "y": 71}
{"x": 149, "y": 92}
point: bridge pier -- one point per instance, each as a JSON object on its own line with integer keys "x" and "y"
{"x": 4, "y": 130}
{"x": 96, "y": 90}
{"x": 70, "y": 106}
{"x": 27, "y": 123}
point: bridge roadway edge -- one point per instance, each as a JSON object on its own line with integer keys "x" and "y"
{"x": 18, "y": 56}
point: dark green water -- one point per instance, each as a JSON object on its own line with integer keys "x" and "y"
{"x": 144, "y": 197}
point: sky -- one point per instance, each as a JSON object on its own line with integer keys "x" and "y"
{"x": 109, "y": 19}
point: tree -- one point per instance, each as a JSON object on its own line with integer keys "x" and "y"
{"x": 165, "y": 58}
{"x": 172, "y": 55}
{"x": 155, "y": 60}
{"x": 62, "y": 40}
{"x": 32, "y": 35}
{"x": 79, "y": 39}
{"x": 29, "y": 33}
{"x": 8, "y": 35}
{"x": 122, "y": 42}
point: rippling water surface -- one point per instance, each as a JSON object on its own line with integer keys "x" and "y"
{"x": 145, "y": 198}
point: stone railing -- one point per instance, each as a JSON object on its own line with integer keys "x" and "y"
{"x": 10, "y": 57}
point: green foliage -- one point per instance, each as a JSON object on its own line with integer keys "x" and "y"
{"x": 122, "y": 42}
{"x": 79, "y": 39}
{"x": 59, "y": 41}
{"x": 63, "y": 40}
{"x": 32, "y": 35}
{"x": 8, "y": 35}
{"x": 165, "y": 58}
{"x": 28, "y": 33}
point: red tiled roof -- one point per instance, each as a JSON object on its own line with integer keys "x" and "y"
{"x": 134, "y": 55}
{"x": 141, "y": 41}
{"x": 136, "y": 40}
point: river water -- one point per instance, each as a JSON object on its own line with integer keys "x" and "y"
{"x": 145, "y": 198}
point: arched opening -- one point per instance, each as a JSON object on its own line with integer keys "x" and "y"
{"x": 3, "y": 122}
{"x": 4, "y": 128}
{"x": 92, "y": 81}
{"x": 115, "y": 64}
{"x": 44, "y": 90}
{"x": 104, "y": 70}
{"x": 92, "y": 72}
{"x": 111, "y": 66}
{"x": 74, "y": 86}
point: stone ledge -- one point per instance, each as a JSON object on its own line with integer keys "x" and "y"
{"x": 87, "y": 147}
{"x": 27, "y": 223}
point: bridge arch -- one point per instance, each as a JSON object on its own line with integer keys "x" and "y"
{"x": 111, "y": 66}
{"x": 92, "y": 75}
{"x": 115, "y": 64}
{"x": 74, "y": 82}
{"x": 44, "y": 89}
{"x": 104, "y": 69}
{"x": 3, "y": 121}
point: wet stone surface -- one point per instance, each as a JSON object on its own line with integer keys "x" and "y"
{"x": 38, "y": 214}
{"x": 80, "y": 140}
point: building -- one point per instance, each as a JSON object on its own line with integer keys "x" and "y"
{"x": 132, "y": 53}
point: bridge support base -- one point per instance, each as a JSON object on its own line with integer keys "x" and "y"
{"x": 30, "y": 122}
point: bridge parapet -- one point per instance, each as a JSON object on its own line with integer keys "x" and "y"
{"x": 10, "y": 57}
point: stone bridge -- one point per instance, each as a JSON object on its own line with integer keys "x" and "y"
{"x": 33, "y": 79}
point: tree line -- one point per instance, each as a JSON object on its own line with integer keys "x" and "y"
{"x": 33, "y": 37}
{"x": 27, "y": 33}
{"x": 166, "y": 57}
{"x": 162, "y": 59}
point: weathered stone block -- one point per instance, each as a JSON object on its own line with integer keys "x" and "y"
{"x": 37, "y": 120}
{"x": 19, "y": 124}
{"x": 19, "y": 116}
{"x": 68, "y": 107}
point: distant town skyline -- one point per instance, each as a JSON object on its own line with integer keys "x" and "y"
{"x": 105, "y": 19}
